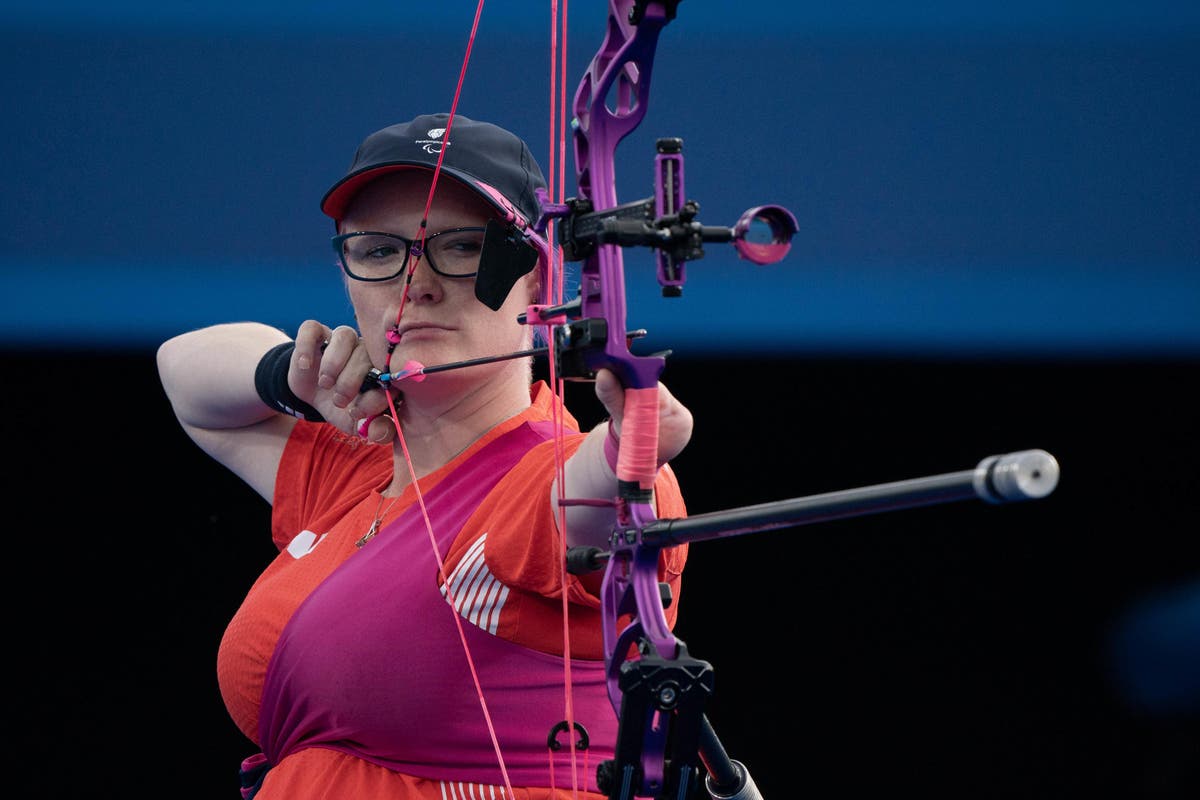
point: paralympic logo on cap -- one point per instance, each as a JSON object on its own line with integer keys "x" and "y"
{"x": 434, "y": 143}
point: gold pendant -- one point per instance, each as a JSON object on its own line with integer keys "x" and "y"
{"x": 370, "y": 532}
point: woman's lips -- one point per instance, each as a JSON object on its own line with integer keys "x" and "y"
{"x": 418, "y": 330}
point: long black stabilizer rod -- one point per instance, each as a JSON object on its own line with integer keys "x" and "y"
{"x": 1023, "y": 475}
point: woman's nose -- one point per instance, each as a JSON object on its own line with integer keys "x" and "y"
{"x": 425, "y": 284}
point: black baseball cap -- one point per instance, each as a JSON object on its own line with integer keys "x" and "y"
{"x": 490, "y": 160}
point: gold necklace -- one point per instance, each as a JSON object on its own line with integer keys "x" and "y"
{"x": 380, "y": 513}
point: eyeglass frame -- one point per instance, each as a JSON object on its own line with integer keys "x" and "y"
{"x": 410, "y": 249}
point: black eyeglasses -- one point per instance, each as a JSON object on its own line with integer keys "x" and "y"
{"x": 374, "y": 256}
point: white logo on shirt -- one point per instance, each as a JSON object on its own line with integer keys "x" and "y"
{"x": 304, "y": 543}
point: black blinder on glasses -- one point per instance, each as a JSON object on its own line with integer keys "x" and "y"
{"x": 505, "y": 257}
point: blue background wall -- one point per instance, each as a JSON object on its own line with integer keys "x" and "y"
{"x": 967, "y": 180}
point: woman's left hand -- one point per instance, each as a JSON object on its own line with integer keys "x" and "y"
{"x": 674, "y": 419}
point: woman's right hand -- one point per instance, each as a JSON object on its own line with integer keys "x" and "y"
{"x": 327, "y": 371}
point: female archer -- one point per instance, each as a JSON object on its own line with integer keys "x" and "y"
{"x": 408, "y": 640}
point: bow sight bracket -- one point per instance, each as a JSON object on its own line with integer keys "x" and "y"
{"x": 667, "y": 223}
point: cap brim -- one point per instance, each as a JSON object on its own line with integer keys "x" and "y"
{"x": 338, "y": 198}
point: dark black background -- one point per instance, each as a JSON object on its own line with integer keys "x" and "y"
{"x": 949, "y": 651}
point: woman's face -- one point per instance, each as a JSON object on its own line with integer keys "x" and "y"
{"x": 442, "y": 321}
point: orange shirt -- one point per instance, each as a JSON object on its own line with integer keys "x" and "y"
{"x": 327, "y": 495}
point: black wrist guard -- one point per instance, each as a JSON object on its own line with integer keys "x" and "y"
{"x": 271, "y": 381}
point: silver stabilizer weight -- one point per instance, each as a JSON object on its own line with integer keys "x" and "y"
{"x": 1023, "y": 475}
